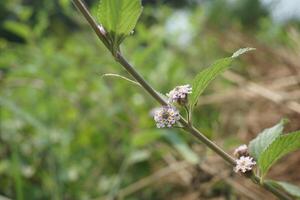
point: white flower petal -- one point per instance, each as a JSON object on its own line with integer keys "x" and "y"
{"x": 244, "y": 164}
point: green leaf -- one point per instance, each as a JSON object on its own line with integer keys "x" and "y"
{"x": 119, "y": 17}
{"x": 202, "y": 80}
{"x": 264, "y": 139}
{"x": 283, "y": 145}
{"x": 293, "y": 190}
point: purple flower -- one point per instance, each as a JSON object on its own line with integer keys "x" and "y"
{"x": 179, "y": 94}
{"x": 166, "y": 116}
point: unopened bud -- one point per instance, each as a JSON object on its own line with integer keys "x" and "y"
{"x": 180, "y": 94}
{"x": 241, "y": 151}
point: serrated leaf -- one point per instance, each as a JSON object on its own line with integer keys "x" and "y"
{"x": 264, "y": 139}
{"x": 293, "y": 190}
{"x": 283, "y": 145}
{"x": 202, "y": 80}
{"x": 119, "y": 17}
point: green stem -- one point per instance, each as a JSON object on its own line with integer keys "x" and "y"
{"x": 188, "y": 127}
{"x": 83, "y": 9}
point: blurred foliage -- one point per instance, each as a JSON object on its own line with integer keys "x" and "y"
{"x": 67, "y": 132}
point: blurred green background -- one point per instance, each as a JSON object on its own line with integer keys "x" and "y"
{"x": 69, "y": 133}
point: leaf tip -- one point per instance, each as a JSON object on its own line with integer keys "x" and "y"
{"x": 242, "y": 51}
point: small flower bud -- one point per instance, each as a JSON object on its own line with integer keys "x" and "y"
{"x": 244, "y": 164}
{"x": 180, "y": 94}
{"x": 166, "y": 116}
{"x": 241, "y": 151}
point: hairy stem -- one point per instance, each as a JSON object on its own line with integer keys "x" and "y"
{"x": 188, "y": 127}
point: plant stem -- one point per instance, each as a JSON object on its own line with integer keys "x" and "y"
{"x": 83, "y": 9}
{"x": 188, "y": 127}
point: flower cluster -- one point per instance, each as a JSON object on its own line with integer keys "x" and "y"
{"x": 244, "y": 164}
{"x": 241, "y": 151}
{"x": 166, "y": 116}
{"x": 179, "y": 94}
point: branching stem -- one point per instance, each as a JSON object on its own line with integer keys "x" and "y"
{"x": 188, "y": 127}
